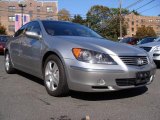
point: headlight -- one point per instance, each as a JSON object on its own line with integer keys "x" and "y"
{"x": 92, "y": 56}
{"x": 150, "y": 58}
{"x": 157, "y": 49}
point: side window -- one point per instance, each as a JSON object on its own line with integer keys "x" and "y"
{"x": 34, "y": 27}
{"x": 20, "y": 31}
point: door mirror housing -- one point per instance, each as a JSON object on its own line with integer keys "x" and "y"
{"x": 33, "y": 34}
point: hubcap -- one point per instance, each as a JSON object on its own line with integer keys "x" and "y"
{"x": 52, "y": 75}
{"x": 7, "y": 64}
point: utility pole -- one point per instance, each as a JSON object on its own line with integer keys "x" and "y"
{"x": 120, "y": 17}
{"x": 22, "y": 5}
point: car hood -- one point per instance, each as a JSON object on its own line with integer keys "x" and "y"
{"x": 151, "y": 44}
{"x": 103, "y": 45}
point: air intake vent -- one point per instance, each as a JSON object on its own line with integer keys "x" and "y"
{"x": 146, "y": 48}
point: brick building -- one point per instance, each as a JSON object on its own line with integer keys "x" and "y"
{"x": 37, "y": 9}
{"x": 135, "y": 21}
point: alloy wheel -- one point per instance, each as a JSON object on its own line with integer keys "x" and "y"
{"x": 52, "y": 75}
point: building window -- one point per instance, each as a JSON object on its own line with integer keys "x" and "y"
{"x": 30, "y": 4}
{"x": 150, "y": 20}
{"x": 38, "y": 17}
{"x": 31, "y": 13}
{"x": 157, "y": 20}
{"x": 49, "y": 9}
{"x": 128, "y": 31}
{"x": 11, "y": 8}
{"x": 132, "y": 22}
{"x": 38, "y": 8}
{"x": 11, "y": 28}
{"x": 150, "y": 26}
{"x": 142, "y": 20}
{"x": 11, "y": 18}
{"x": 132, "y": 29}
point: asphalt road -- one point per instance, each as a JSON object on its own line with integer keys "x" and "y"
{"x": 23, "y": 97}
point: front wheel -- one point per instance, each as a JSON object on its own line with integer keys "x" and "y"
{"x": 54, "y": 77}
{"x": 8, "y": 64}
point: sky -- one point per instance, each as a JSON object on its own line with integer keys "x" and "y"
{"x": 82, "y": 6}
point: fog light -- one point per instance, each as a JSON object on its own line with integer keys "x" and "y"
{"x": 101, "y": 82}
{"x": 152, "y": 77}
{"x": 156, "y": 54}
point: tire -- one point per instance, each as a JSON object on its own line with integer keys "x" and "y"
{"x": 54, "y": 77}
{"x": 157, "y": 62}
{"x": 8, "y": 64}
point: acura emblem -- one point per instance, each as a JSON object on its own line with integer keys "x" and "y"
{"x": 139, "y": 61}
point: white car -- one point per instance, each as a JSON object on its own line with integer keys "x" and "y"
{"x": 153, "y": 48}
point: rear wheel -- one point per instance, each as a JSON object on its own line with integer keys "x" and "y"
{"x": 54, "y": 77}
{"x": 8, "y": 64}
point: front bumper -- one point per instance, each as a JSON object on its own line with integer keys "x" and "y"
{"x": 87, "y": 77}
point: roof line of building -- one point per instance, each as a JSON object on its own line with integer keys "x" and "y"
{"x": 143, "y": 15}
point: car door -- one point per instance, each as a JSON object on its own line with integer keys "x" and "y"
{"x": 31, "y": 50}
{"x": 15, "y": 46}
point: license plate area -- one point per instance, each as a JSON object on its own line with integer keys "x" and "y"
{"x": 142, "y": 77}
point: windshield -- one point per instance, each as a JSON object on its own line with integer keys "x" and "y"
{"x": 157, "y": 40}
{"x": 3, "y": 38}
{"x": 125, "y": 40}
{"x": 56, "y": 28}
{"x": 146, "y": 40}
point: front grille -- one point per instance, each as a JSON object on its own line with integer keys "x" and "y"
{"x": 134, "y": 60}
{"x": 146, "y": 48}
{"x": 130, "y": 82}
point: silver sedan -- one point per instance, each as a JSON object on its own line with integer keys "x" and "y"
{"x": 70, "y": 56}
{"x": 153, "y": 49}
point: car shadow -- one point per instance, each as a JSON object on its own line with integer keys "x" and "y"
{"x": 1, "y": 54}
{"x": 109, "y": 95}
{"x": 93, "y": 96}
{"x": 30, "y": 77}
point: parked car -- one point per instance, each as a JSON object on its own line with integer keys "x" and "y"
{"x": 153, "y": 49}
{"x": 129, "y": 40}
{"x": 146, "y": 40}
{"x": 3, "y": 40}
{"x": 70, "y": 56}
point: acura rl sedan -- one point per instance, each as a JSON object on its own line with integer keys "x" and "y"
{"x": 70, "y": 56}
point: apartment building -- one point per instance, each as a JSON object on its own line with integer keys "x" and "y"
{"x": 135, "y": 21}
{"x": 36, "y": 9}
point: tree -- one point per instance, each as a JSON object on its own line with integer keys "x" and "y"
{"x": 114, "y": 24}
{"x": 145, "y": 32}
{"x": 106, "y": 21}
{"x": 78, "y": 19}
{"x": 135, "y": 12}
{"x": 150, "y": 31}
{"x": 97, "y": 15}
{"x": 115, "y": 11}
{"x": 2, "y": 30}
{"x": 113, "y": 28}
{"x": 64, "y": 15}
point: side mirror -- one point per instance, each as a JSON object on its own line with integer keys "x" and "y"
{"x": 33, "y": 35}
